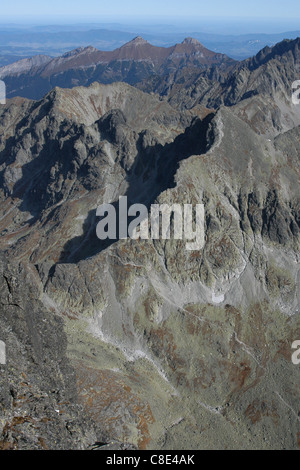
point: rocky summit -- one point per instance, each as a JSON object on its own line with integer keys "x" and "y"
{"x": 143, "y": 343}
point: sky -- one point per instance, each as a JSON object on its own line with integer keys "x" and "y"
{"x": 95, "y": 10}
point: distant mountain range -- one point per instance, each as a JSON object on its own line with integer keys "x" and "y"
{"x": 132, "y": 63}
{"x": 186, "y": 75}
{"x": 18, "y": 41}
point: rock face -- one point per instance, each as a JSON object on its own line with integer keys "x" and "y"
{"x": 38, "y": 397}
{"x": 161, "y": 347}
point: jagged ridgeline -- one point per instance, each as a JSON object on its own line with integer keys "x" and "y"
{"x": 142, "y": 342}
{"x": 132, "y": 63}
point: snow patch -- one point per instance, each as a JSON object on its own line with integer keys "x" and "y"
{"x": 218, "y": 299}
{"x": 2, "y": 353}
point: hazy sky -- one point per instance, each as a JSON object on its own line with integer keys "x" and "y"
{"x": 97, "y": 9}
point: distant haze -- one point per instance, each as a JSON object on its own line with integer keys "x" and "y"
{"x": 18, "y": 41}
{"x": 219, "y": 16}
{"x": 214, "y": 25}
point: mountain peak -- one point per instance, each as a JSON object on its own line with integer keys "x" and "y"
{"x": 191, "y": 41}
{"x": 90, "y": 49}
{"x": 137, "y": 41}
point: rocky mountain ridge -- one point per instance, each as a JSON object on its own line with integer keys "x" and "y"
{"x": 259, "y": 89}
{"x": 131, "y": 63}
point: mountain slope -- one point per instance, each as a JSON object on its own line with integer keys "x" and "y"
{"x": 39, "y": 406}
